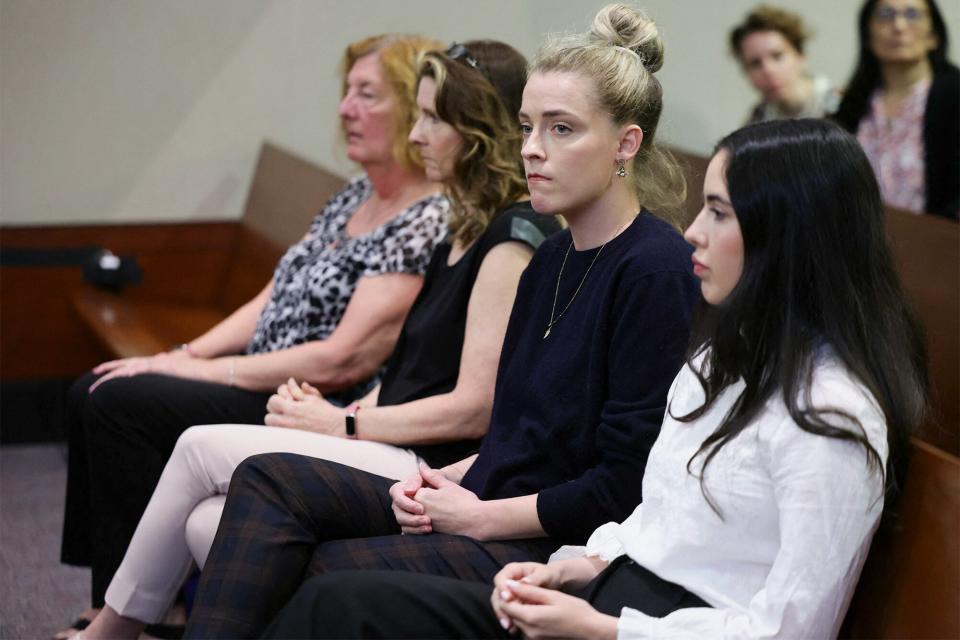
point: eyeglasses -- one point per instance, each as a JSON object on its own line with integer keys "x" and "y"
{"x": 457, "y": 51}
{"x": 889, "y": 14}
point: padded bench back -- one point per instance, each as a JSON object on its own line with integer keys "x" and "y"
{"x": 285, "y": 195}
{"x": 926, "y": 250}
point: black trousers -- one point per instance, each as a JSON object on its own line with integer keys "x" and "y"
{"x": 120, "y": 437}
{"x": 288, "y": 517}
{"x": 381, "y": 604}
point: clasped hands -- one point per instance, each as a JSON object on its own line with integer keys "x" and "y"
{"x": 302, "y": 406}
{"x": 527, "y": 598}
{"x": 429, "y": 501}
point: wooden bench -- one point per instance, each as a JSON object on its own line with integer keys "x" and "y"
{"x": 910, "y": 585}
{"x": 285, "y": 194}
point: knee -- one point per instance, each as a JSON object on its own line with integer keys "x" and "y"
{"x": 201, "y": 527}
{"x": 194, "y": 444}
{"x": 80, "y": 390}
{"x": 254, "y": 470}
{"x": 342, "y": 591}
{"x": 111, "y": 396}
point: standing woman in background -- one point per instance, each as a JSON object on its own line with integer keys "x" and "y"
{"x": 789, "y": 419}
{"x": 769, "y": 46}
{"x": 330, "y": 315}
{"x": 903, "y": 104}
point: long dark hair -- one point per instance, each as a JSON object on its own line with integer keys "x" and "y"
{"x": 817, "y": 276}
{"x": 866, "y": 75}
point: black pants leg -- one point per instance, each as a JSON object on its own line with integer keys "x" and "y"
{"x": 75, "y": 546}
{"x": 288, "y": 515}
{"x": 129, "y": 427}
{"x": 388, "y": 604}
{"x": 396, "y": 604}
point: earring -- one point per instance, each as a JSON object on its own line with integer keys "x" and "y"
{"x": 621, "y": 171}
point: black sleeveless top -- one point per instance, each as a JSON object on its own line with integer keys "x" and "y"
{"x": 426, "y": 360}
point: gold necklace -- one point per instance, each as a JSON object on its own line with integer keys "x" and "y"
{"x": 556, "y": 292}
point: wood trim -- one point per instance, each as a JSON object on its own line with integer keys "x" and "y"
{"x": 42, "y": 335}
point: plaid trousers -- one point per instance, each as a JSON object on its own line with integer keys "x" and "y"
{"x": 288, "y": 517}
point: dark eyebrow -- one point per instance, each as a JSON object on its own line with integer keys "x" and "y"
{"x": 717, "y": 199}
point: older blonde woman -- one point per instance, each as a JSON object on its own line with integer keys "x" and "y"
{"x": 330, "y": 315}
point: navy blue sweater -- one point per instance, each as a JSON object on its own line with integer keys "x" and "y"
{"x": 575, "y": 413}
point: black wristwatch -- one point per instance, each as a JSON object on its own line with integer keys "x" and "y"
{"x": 351, "y": 421}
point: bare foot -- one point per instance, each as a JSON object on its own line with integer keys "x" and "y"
{"x": 110, "y": 624}
{"x": 85, "y": 618}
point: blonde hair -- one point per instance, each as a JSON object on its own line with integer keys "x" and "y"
{"x": 399, "y": 58}
{"x": 488, "y": 175}
{"x": 619, "y": 54}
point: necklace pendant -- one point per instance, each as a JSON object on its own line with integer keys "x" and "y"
{"x": 546, "y": 333}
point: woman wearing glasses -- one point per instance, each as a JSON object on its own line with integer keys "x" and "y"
{"x": 903, "y": 103}
{"x": 597, "y": 332}
{"x": 434, "y": 401}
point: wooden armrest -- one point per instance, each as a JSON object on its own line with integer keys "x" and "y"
{"x": 137, "y": 328}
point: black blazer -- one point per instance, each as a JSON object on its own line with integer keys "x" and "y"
{"x": 941, "y": 144}
{"x": 941, "y": 141}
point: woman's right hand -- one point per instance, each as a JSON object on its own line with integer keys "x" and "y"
{"x": 409, "y": 513}
{"x": 302, "y": 406}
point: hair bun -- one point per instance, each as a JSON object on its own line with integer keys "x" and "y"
{"x": 620, "y": 25}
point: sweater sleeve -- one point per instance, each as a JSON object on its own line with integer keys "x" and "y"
{"x": 649, "y": 326}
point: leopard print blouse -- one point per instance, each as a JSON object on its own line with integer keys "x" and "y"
{"x": 316, "y": 277}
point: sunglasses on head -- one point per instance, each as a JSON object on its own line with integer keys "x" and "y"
{"x": 457, "y": 51}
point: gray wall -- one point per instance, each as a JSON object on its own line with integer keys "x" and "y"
{"x": 139, "y": 110}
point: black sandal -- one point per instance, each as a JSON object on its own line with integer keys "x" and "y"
{"x": 165, "y": 631}
{"x": 78, "y": 625}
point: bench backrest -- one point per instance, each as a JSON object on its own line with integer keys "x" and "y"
{"x": 285, "y": 195}
{"x": 910, "y": 585}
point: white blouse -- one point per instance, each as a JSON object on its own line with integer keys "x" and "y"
{"x": 798, "y": 512}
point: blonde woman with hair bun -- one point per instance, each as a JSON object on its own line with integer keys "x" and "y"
{"x": 598, "y": 330}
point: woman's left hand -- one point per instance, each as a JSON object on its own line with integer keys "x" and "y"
{"x": 163, "y": 364}
{"x": 545, "y": 613}
{"x": 296, "y": 406}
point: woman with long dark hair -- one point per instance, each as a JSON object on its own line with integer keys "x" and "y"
{"x": 903, "y": 104}
{"x": 761, "y": 495}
